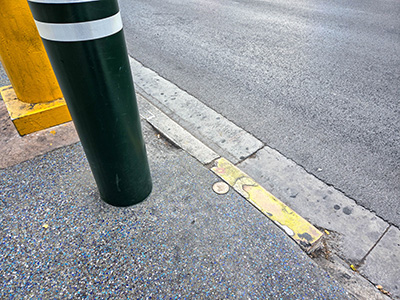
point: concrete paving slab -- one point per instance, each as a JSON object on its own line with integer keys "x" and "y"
{"x": 185, "y": 241}
{"x": 359, "y": 286}
{"x": 382, "y": 265}
{"x": 211, "y": 128}
{"x": 174, "y": 132}
{"x": 322, "y": 205}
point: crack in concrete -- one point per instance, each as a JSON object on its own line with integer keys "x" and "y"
{"x": 362, "y": 261}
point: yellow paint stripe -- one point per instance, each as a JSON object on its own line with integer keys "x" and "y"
{"x": 300, "y": 230}
{"x": 32, "y": 117}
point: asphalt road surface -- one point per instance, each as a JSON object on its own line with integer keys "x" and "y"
{"x": 317, "y": 80}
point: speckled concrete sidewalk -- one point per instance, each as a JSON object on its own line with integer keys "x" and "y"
{"x": 58, "y": 240}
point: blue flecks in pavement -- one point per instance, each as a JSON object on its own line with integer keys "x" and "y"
{"x": 183, "y": 242}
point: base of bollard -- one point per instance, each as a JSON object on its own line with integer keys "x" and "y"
{"x": 32, "y": 117}
{"x": 126, "y": 203}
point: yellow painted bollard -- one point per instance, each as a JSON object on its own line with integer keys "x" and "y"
{"x": 34, "y": 101}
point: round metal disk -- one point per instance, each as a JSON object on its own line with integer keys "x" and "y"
{"x": 220, "y": 188}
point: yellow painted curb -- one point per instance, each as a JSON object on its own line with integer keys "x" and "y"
{"x": 32, "y": 117}
{"x": 300, "y": 230}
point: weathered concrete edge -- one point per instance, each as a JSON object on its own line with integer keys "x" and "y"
{"x": 301, "y": 231}
{"x": 355, "y": 235}
{"x": 174, "y": 132}
{"x": 208, "y": 126}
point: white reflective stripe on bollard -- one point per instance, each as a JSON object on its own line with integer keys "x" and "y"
{"x": 82, "y": 31}
{"x": 61, "y": 1}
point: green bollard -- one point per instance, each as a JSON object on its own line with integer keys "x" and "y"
{"x": 85, "y": 43}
